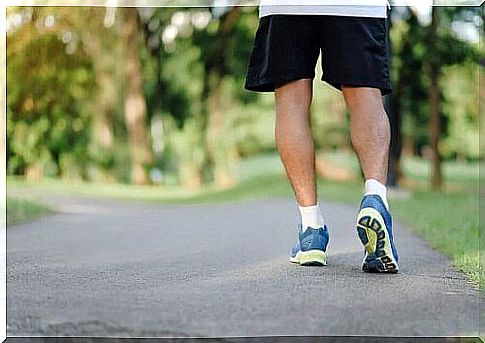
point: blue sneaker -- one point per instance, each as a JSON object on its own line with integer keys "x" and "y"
{"x": 374, "y": 227}
{"x": 310, "y": 250}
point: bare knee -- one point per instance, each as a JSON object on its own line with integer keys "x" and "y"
{"x": 294, "y": 98}
{"x": 364, "y": 101}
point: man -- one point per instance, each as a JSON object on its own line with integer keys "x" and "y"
{"x": 352, "y": 37}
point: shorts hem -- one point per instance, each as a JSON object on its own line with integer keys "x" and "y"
{"x": 384, "y": 87}
{"x": 269, "y": 85}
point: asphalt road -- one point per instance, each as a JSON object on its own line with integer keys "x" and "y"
{"x": 107, "y": 268}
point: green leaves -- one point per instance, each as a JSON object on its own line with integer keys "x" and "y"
{"x": 48, "y": 95}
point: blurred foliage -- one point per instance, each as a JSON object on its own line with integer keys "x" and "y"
{"x": 461, "y": 108}
{"x": 411, "y": 51}
{"x": 47, "y": 114}
{"x": 65, "y": 101}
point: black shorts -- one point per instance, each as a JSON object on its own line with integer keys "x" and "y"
{"x": 286, "y": 48}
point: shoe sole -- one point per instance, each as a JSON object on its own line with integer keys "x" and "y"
{"x": 310, "y": 258}
{"x": 372, "y": 233}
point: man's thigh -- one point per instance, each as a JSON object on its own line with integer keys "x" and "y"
{"x": 355, "y": 52}
{"x": 286, "y": 48}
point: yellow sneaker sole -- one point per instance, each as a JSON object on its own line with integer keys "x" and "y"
{"x": 373, "y": 235}
{"x": 310, "y": 258}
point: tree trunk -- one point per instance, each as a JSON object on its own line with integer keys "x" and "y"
{"x": 217, "y": 141}
{"x": 99, "y": 44}
{"x": 393, "y": 108}
{"x": 435, "y": 134}
{"x": 135, "y": 106}
{"x": 393, "y": 104}
{"x": 103, "y": 137}
{"x": 220, "y": 147}
{"x": 394, "y": 170}
{"x": 434, "y": 107}
{"x": 103, "y": 127}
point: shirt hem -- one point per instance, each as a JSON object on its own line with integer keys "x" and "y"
{"x": 361, "y": 11}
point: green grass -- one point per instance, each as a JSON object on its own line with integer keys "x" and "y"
{"x": 449, "y": 220}
{"x": 263, "y": 186}
{"x": 20, "y": 210}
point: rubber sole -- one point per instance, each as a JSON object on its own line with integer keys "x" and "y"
{"x": 372, "y": 233}
{"x": 310, "y": 258}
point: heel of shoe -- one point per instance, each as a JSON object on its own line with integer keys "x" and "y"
{"x": 380, "y": 265}
{"x": 313, "y": 258}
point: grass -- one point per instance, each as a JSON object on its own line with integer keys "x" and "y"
{"x": 458, "y": 175}
{"x": 448, "y": 220}
{"x": 264, "y": 186}
{"x": 20, "y": 210}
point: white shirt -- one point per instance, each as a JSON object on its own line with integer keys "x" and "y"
{"x": 353, "y": 8}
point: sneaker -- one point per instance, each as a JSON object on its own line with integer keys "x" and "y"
{"x": 311, "y": 247}
{"x": 374, "y": 227}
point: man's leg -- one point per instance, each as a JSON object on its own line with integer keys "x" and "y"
{"x": 370, "y": 134}
{"x": 294, "y": 139}
{"x": 370, "y": 130}
{"x": 295, "y": 144}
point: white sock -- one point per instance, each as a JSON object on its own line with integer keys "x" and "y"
{"x": 311, "y": 216}
{"x": 375, "y": 187}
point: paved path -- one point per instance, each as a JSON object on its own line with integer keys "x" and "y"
{"x": 102, "y": 268}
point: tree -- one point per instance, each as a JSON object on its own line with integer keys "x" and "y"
{"x": 420, "y": 54}
{"x": 173, "y": 86}
{"x": 100, "y": 43}
{"x": 221, "y": 152}
{"x": 435, "y": 129}
{"x": 134, "y": 102}
{"x": 49, "y": 88}
{"x": 392, "y": 104}
{"x": 443, "y": 49}
{"x": 203, "y": 66}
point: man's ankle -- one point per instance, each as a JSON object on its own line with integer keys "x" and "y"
{"x": 311, "y": 216}
{"x": 373, "y": 186}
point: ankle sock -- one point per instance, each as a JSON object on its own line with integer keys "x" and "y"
{"x": 375, "y": 187}
{"x": 311, "y": 216}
